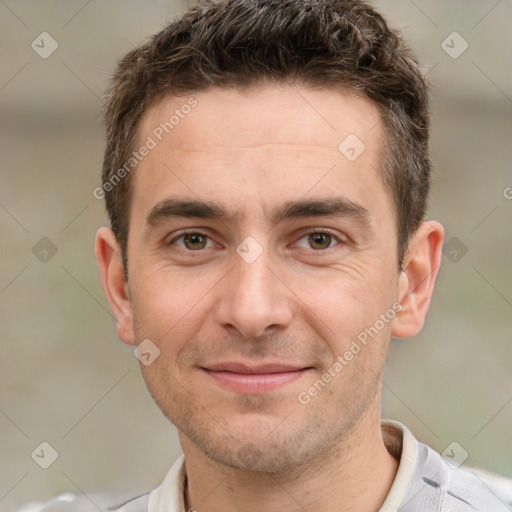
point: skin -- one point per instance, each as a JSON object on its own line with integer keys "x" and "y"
{"x": 302, "y": 301}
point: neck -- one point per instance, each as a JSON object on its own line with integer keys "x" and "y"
{"x": 355, "y": 474}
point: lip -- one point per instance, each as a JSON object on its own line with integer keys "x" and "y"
{"x": 243, "y": 378}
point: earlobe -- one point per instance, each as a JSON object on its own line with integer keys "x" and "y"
{"x": 417, "y": 279}
{"x": 114, "y": 283}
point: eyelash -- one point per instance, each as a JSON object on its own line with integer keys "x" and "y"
{"x": 311, "y": 232}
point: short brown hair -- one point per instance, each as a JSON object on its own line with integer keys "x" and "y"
{"x": 245, "y": 43}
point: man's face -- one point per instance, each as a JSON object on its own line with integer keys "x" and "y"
{"x": 250, "y": 308}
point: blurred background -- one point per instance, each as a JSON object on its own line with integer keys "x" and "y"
{"x": 66, "y": 380}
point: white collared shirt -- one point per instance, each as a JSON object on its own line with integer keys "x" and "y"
{"x": 425, "y": 482}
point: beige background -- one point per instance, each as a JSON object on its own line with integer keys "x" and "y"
{"x": 67, "y": 380}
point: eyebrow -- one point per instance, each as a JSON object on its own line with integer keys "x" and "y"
{"x": 328, "y": 207}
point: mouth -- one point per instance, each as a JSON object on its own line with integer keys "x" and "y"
{"x": 244, "y": 378}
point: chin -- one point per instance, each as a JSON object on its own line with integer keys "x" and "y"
{"x": 259, "y": 443}
{"x": 262, "y": 457}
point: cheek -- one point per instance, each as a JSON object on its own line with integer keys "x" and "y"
{"x": 169, "y": 319}
{"x": 168, "y": 299}
{"x": 347, "y": 315}
{"x": 346, "y": 302}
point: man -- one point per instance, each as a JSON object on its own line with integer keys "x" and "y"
{"x": 267, "y": 177}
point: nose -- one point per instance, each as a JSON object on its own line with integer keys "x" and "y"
{"x": 253, "y": 298}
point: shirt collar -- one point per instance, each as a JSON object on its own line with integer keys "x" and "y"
{"x": 398, "y": 440}
{"x": 403, "y": 446}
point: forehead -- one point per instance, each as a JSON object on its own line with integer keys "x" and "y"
{"x": 271, "y": 113}
{"x": 275, "y": 142}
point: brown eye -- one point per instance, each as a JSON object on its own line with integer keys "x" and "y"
{"x": 195, "y": 241}
{"x": 320, "y": 240}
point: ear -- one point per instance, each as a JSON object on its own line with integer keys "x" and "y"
{"x": 417, "y": 278}
{"x": 108, "y": 254}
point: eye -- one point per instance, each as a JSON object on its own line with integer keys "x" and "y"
{"x": 192, "y": 241}
{"x": 318, "y": 240}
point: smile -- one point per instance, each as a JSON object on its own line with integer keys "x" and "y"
{"x": 254, "y": 379}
